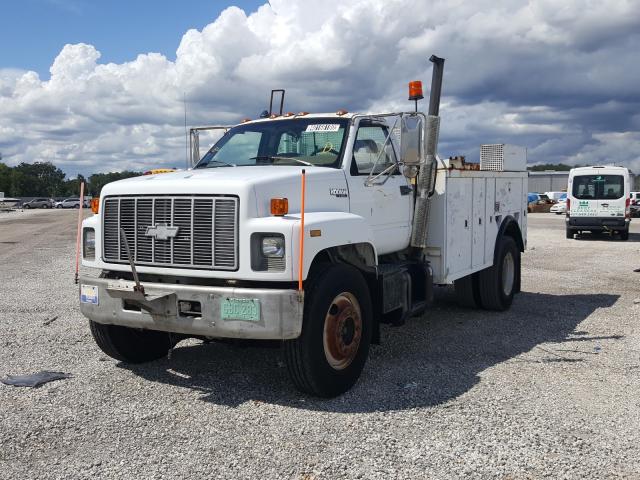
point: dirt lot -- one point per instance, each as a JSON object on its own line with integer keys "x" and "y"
{"x": 549, "y": 389}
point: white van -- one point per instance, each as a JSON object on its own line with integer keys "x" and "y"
{"x": 598, "y": 201}
{"x": 555, "y": 196}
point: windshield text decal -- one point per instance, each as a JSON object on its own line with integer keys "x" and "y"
{"x": 323, "y": 127}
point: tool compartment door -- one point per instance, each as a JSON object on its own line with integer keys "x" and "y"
{"x": 459, "y": 213}
{"x": 478, "y": 224}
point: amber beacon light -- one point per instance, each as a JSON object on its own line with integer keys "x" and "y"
{"x": 415, "y": 90}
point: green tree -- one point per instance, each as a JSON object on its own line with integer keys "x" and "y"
{"x": 99, "y": 180}
{"x": 38, "y": 179}
{"x": 558, "y": 167}
{"x": 71, "y": 187}
{"x": 5, "y": 180}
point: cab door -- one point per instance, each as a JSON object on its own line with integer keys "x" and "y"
{"x": 384, "y": 200}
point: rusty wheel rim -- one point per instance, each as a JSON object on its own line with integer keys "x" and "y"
{"x": 342, "y": 331}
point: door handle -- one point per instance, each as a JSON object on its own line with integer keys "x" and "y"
{"x": 405, "y": 189}
{"x": 604, "y": 204}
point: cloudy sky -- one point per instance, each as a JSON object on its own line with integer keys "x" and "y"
{"x": 100, "y": 88}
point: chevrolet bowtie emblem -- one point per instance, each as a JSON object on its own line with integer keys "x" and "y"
{"x": 161, "y": 232}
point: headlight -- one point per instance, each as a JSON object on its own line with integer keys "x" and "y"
{"x": 89, "y": 244}
{"x": 273, "y": 247}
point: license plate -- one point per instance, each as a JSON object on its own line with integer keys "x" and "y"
{"x": 89, "y": 294}
{"x": 247, "y": 309}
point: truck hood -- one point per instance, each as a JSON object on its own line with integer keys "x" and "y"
{"x": 326, "y": 187}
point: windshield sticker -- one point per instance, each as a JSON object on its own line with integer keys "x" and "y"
{"x": 323, "y": 127}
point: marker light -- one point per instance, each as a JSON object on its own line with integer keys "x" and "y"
{"x": 95, "y": 204}
{"x": 279, "y": 206}
{"x": 415, "y": 90}
{"x": 341, "y": 112}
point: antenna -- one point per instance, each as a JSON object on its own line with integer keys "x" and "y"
{"x": 186, "y": 133}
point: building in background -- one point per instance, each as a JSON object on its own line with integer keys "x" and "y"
{"x": 555, "y": 181}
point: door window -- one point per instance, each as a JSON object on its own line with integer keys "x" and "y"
{"x": 372, "y": 153}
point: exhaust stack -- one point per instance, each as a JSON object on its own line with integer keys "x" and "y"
{"x": 427, "y": 175}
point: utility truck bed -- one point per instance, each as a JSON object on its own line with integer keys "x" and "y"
{"x": 467, "y": 209}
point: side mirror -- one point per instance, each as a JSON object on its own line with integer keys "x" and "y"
{"x": 411, "y": 140}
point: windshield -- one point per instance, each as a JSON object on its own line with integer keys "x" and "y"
{"x": 598, "y": 187}
{"x": 310, "y": 141}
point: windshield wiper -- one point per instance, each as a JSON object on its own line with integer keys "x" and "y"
{"x": 275, "y": 157}
{"x": 219, "y": 162}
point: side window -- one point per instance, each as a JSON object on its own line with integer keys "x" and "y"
{"x": 369, "y": 147}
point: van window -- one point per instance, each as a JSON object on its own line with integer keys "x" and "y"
{"x": 598, "y": 187}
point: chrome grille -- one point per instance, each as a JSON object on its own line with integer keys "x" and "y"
{"x": 207, "y": 235}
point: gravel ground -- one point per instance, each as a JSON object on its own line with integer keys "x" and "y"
{"x": 548, "y": 389}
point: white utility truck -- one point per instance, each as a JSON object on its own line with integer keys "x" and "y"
{"x": 306, "y": 229}
{"x": 598, "y": 200}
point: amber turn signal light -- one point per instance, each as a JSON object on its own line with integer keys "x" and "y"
{"x": 95, "y": 205}
{"x": 415, "y": 90}
{"x": 279, "y": 206}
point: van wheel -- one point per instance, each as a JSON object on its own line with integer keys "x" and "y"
{"x": 328, "y": 357}
{"x": 468, "y": 291}
{"x": 624, "y": 235}
{"x": 498, "y": 283}
{"x": 569, "y": 233}
{"x": 130, "y": 345}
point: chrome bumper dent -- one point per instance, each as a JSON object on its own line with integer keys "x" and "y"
{"x": 280, "y": 316}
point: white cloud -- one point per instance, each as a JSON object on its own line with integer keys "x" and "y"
{"x": 560, "y": 79}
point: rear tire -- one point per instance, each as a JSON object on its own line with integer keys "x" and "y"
{"x": 130, "y": 345}
{"x": 328, "y": 357}
{"x": 498, "y": 283}
{"x": 468, "y": 291}
{"x": 624, "y": 235}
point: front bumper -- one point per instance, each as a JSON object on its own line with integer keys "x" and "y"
{"x": 280, "y": 309}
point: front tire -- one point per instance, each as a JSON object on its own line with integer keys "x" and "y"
{"x": 569, "y": 233}
{"x": 498, "y": 283}
{"x": 130, "y": 345}
{"x": 328, "y": 357}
